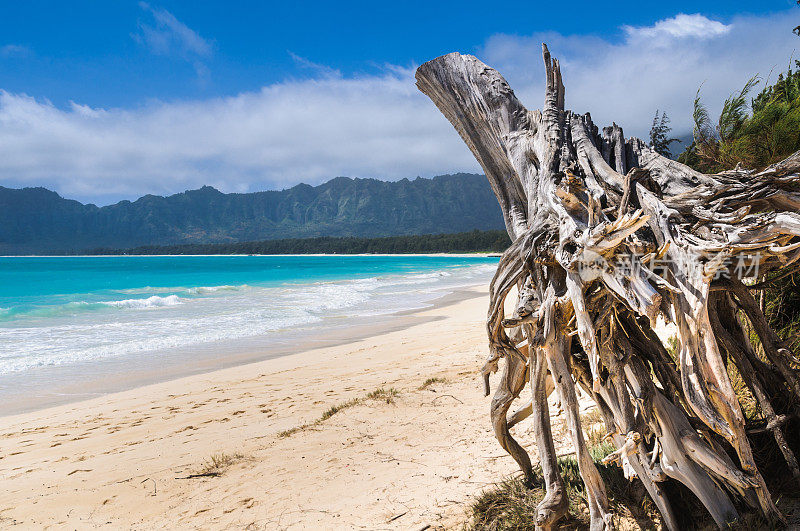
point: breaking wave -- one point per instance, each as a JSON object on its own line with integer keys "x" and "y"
{"x": 151, "y": 302}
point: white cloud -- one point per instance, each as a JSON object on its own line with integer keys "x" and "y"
{"x": 13, "y": 50}
{"x": 168, "y": 36}
{"x": 320, "y": 69}
{"x": 679, "y": 26}
{"x": 380, "y": 126}
{"x": 653, "y": 67}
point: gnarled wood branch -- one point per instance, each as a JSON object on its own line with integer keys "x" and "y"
{"x": 608, "y": 235}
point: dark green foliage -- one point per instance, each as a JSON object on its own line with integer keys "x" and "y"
{"x": 767, "y": 134}
{"x": 774, "y": 131}
{"x": 462, "y": 242}
{"x": 659, "y": 134}
{"x": 734, "y": 112}
{"x": 35, "y": 220}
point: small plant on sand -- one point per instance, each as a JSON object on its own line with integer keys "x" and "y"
{"x": 593, "y": 427}
{"x": 387, "y": 395}
{"x": 291, "y": 431}
{"x": 430, "y": 381}
{"x": 384, "y": 394}
{"x": 218, "y": 463}
{"x": 338, "y": 407}
{"x": 591, "y": 417}
{"x": 595, "y": 435}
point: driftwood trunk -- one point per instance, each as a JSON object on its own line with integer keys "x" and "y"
{"x": 608, "y": 235}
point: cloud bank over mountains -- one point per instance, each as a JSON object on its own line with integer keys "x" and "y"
{"x": 375, "y": 125}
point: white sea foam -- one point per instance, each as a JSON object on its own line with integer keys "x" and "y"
{"x": 198, "y": 290}
{"x": 151, "y": 302}
{"x": 203, "y": 290}
{"x": 150, "y": 289}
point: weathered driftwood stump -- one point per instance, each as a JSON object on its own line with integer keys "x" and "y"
{"x": 607, "y": 236}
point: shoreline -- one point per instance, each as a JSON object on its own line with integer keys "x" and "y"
{"x": 112, "y": 383}
{"x": 410, "y": 455}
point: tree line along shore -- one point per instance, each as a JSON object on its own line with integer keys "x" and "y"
{"x": 476, "y": 241}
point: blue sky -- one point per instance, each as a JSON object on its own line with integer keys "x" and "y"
{"x": 109, "y": 100}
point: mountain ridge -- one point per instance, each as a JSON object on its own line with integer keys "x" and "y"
{"x": 37, "y": 220}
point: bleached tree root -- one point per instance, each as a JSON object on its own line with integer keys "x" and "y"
{"x": 509, "y": 388}
{"x": 555, "y": 504}
{"x": 607, "y": 236}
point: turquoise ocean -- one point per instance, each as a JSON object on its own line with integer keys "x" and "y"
{"x": 78, "y": 326}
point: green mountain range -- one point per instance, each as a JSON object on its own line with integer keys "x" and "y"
{"x": 37, "y": 220}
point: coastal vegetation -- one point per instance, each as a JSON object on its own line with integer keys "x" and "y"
{"x": 463, "y": 242}
{"x": 659, "y": 135}
{"x": 749, "y": 132}
{"x": 218, "y": 463}
{"x": 432, "y": 381}
{"x": 381, "y": 394}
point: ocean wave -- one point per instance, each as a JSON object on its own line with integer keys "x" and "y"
{"x": 202, "y": 290}
{"x": 149, "y": 289}
{"x": 151, "y": 302}
{"x": 361, "y": 282}
{"x": 74, "y": 308}
{"x": 436, "y": 274}
{"x": 423, "y": 278}
{"x": 57, "y": 310}
{"x": 197, "y": 290}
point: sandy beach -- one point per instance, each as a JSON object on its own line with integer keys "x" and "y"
{"x": 412, "y": 456}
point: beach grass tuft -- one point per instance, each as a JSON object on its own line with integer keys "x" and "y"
{"x": 592, "y": 416}
{"x": 430, "y": 381}
{"x": 218, "y": 463}
{"x": 337, "y": 408}
{"x": 291, "y": 431}
{"x": 381, "y": 394}
{"x": 384, "y": 394}
{"x": 593, "y": 427}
